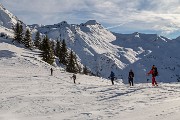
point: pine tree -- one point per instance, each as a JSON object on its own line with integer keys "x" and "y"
{"x": 60, "y": 54}
{"x": 21, "y": 34}
{"x": 27, "y": 39}
{"x": 37, "y": 40}
{"x": 85, "y": 70}
{"x": 63, "y": 54}
{"x": 18, "y": 33}
{"x": 58, "y": 49}
{"x": 47, "y": 54}
{"x": 52, "y": 44}
{"x": 71, "y": 66}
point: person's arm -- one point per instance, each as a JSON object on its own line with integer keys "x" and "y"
{"x": 150, "y": 72}
{"x": 129, "y": 75}
{"x": 133, "y": 74}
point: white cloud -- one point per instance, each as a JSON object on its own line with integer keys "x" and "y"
{"x": 140, "y": 14}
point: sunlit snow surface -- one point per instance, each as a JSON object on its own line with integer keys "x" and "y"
{"x": 28, "y": 92}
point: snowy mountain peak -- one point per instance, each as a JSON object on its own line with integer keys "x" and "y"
{"x": 136, "y": 34}
{"x": 34, "y": 26}
{"x": 1, "y": 6}
{"x": 62, "y": 24}
{"x": 7, "y": 19}
{"x": 91, "y": 22}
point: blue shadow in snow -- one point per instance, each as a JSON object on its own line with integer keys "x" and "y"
{"x": 6, "y": 54}
{"x": 120, "y": 94}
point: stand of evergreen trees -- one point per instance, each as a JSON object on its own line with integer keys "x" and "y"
{"x": 65, "y": 58}
{"x": 22, "y": 38}
{"x": 37, "y": 41}
{"x": 47, "y": 52}
{"x": 18, "y": 33}
{"x": 49, "y": 49}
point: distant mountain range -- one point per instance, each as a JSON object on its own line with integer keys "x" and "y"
{"x": 103, "y": 51}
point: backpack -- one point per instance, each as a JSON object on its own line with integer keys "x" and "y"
{"x": 155, "y": 71}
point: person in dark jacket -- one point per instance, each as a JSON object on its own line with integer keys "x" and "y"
{"x": 74, "y": 78}
{"x": 112, "y": 77}
{"x": 130, "y": 78}
{"x": 51, "y": 71}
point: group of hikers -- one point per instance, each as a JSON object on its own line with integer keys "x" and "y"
{"x": 153, "y": 71}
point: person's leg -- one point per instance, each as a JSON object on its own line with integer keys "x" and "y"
{"x": 153, "y": 81}
{"x": 112, "y": 80}
{"x": 129, "y": 82}
{"x": 132, "y": 82}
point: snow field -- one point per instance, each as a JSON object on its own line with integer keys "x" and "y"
{"x": 28, "y": 92}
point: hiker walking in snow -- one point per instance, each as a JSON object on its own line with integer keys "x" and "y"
{"x": 51, "y": 71}
{"x": 130, "y": 78}
{"x": 112, "y": 77}
{"x": 154, "y": 73}
{"x": 74, "y": 78}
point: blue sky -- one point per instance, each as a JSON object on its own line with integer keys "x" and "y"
{"x": 123, "y": 16}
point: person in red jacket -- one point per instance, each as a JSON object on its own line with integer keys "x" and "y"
{"x": 152, "y": 71}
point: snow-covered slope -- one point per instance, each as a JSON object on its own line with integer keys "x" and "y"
{"x": 28, "y": 92}
{"x": 102, "y": 51}
{"x": 7, "y": 21}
